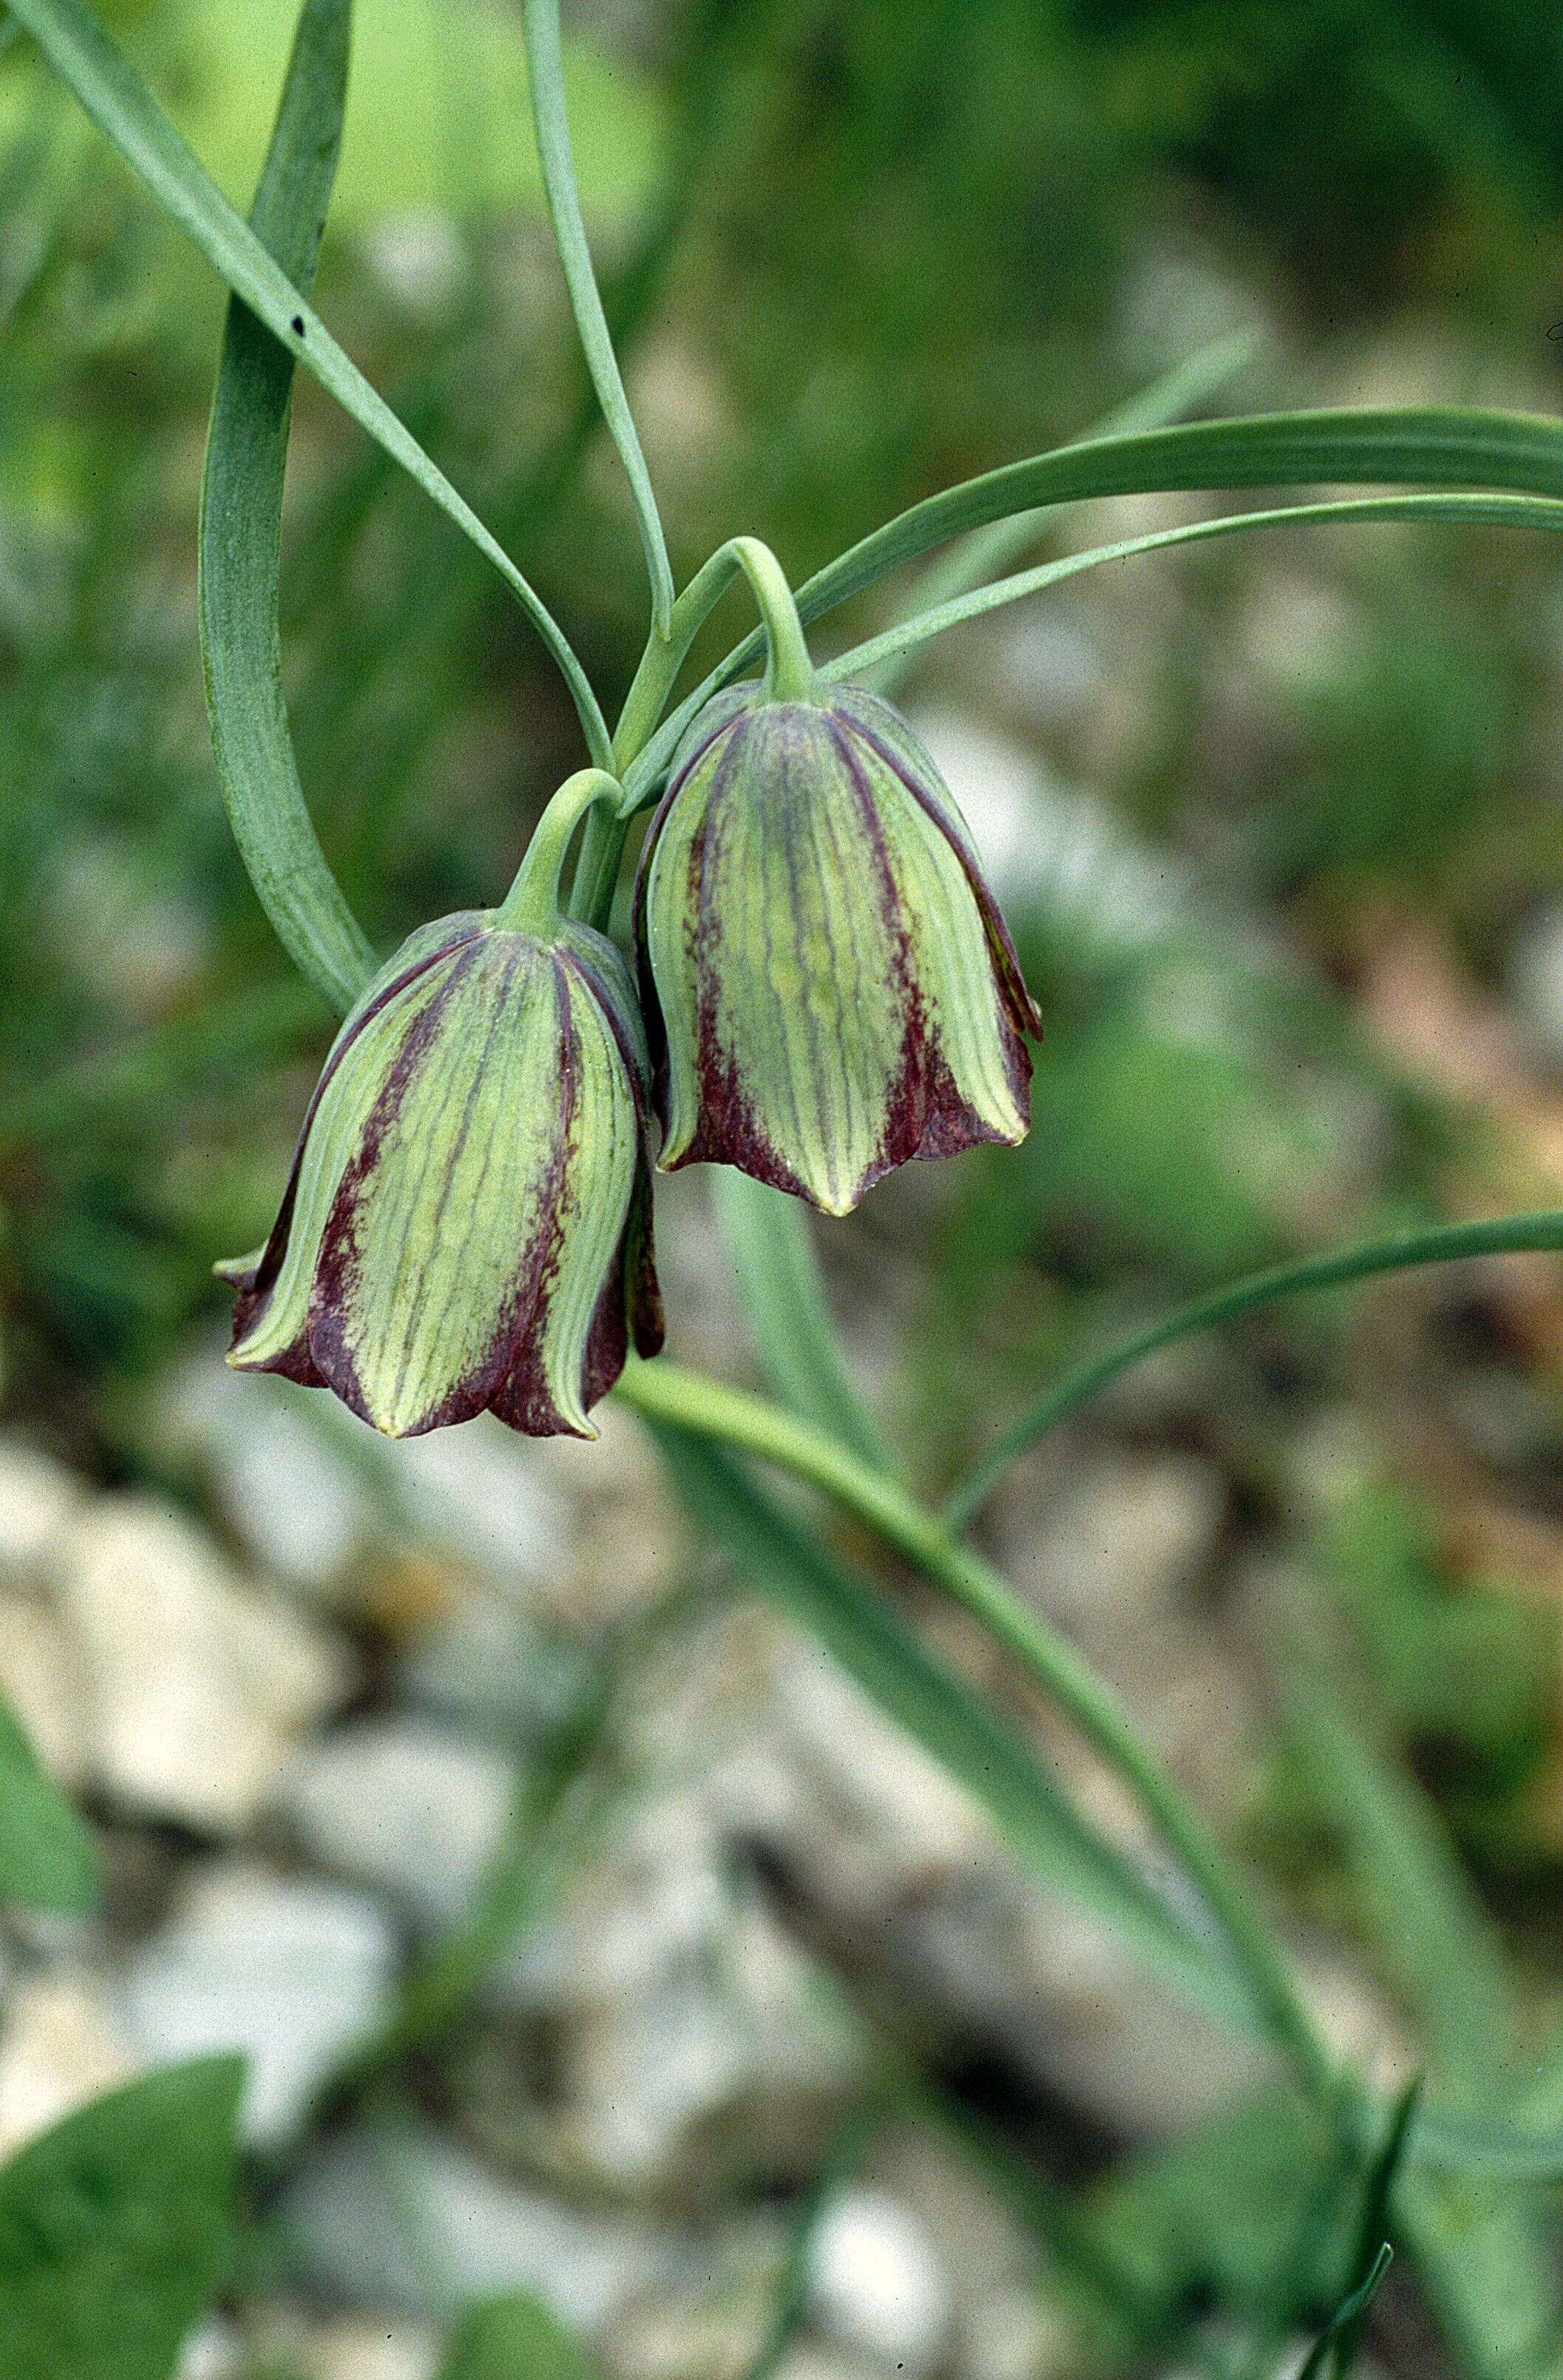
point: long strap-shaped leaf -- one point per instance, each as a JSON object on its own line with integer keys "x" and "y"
{"x": 541, "y": 19}
{"x": 1491, "y": 512}
{"x": 1440, "y": 446}
{"x": 1438, "y": 1243}
{"x": 958, "y": 1727}
{"x": 120, "y": 104}
{"x": 241, "y": 534}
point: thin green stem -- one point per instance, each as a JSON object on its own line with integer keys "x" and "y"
{"x": 112, "y": 94}
{"x": 789, "y": 672}
{"x": 532, "y": 905}
{"x": 1441, "y": 1243}
{"x": 666, "y": 652}
{"x": 666, "y": 1393}
{"x": 597, "y": 870}
{"x": 545, "y": 61}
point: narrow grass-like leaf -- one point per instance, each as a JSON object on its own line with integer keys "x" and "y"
{"x": 541, "y": 19}
{"x": 1334, "y": 2351}
{"x": 118, "y": 101}
{"x": 241, "y": 534}
{"x": 1439, "y": 1244}
{"x": 779, "y": 1276}
{"x": 516, "y": 2337}
{"x": 116, "y": 2228}
{"x": 1435, "y": 446}
{"x": 893, "y": 644}
{"x": 1482, "y": 2248}
{"x": 1489, "y": 2151}
{"x": 988, "y": 552}
{"x": 46, "y": 1856}
{"x": 955, "y": 1725}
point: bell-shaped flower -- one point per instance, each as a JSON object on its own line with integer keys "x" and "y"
{"x": 467, "y": 1225}
{"x": 837, "y": 992}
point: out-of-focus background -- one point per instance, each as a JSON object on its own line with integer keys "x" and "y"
{"x": 724, "y": 2000}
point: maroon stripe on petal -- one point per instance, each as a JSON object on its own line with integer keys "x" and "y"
{"x": 521, "y": 1396}
{"x": 255, "y": 1293}
{"x": 1006, "y": 960}
{"x": 335, "y": 1266}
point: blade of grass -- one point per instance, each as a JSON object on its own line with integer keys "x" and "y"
{"x": 1439, "y": 1244}
{"x": 779, "y": 1277}
{"x": 1336, "y": 2347}
{"x": 1482, "y": 2249}
{"x": 955, "y": 1725}
{"x": 1446, "y": 447}
{"x": 989, "y": 550}
{"x": 120, "y": 104}
{"x": 541, "y": 22}
{"x": 704, "y": 1408}
{"x": 241, "y": 536}
{"x": 895, "y": 644}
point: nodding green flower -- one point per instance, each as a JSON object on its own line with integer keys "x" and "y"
{"x": 467, "y": 1225}
{"x": 837, "y": 989}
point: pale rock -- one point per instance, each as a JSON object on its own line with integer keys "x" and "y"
{"x": 197, "y": 1682}
{"x": 372, "y": 2346}
{"x": 61, "y": 2044}
{"x": 404, "y": 1807}
{"x": 375, "y": 2215}
{"x": 629, "y": 1543}
{"x": 994, "y": 779}
{"x": 38, "y": 1680}
{"x": 490, "y": 1668}
{"x": 483, "y": 1493}
{"x": 290, "y": 1972}
{"x": 283, "y": 1469}
{"x": 876, "y": 2282}
{"x": 39, "y": 1499}
{"x": 885, "y": 1820}
{"x": 1120, "y": 1554}
{"x": 1016, "y": 2335}
{"x": 1535, "y": 980}
{"x": 213, "y": 2353}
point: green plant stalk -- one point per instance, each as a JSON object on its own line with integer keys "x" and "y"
{"x": 532, "y": 905}
{"x": 1443, "y": 445}
{"x": 118, "y": 101}
{"x": 241, "y": 536}
{"x": 1439, "y": 1244}
{"x": 667, "y": 1392}
{"x": 541, "y": 22}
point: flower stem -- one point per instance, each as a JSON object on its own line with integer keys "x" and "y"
{"x": 532, "y": 905}
{"x": 545, "y": 63}
{"x": 1441, "y": 1243}
{"x": 789, "y": 672}
{"x": 667, "y": 1392}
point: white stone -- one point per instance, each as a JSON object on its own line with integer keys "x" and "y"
{"x": 883, "y": 1818}
{"x": 283, "y": 1469}
{"x": 1535, "y": 979}
{"x": 876, "y": 2282}
{"x": 61, "y": 2044}
{"x": 38, "y": 1679}
{"x": 1123, "y": 1547}
{"x": 289, "y": 1971}
{"x": 373, "y": 2347}
{"x": 375, "y": 2216}
{"x": 38, "y": 1501}
{"x": 481, "y": 1492}
{"x": 214, "y": 2353}
{"x": 197, "y": 1682}
{"x": 403, "y": 1806}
